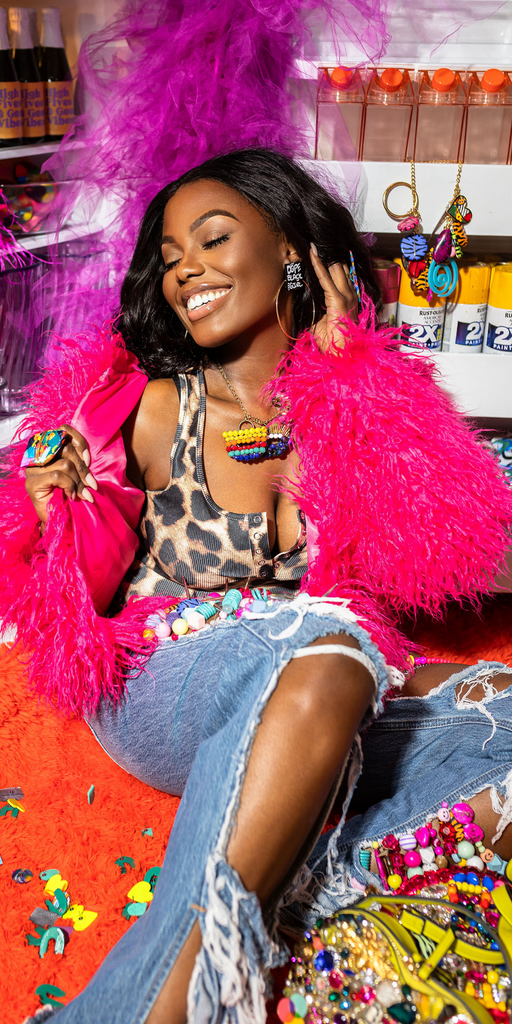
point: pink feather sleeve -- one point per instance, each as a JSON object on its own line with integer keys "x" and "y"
{"x": 406, "y": 504}
{"x": 53, "y": 588}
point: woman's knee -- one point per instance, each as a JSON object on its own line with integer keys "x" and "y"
{"x": 318, "y": 686}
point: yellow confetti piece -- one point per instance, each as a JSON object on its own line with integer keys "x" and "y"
{"x": 15, "y": 803}
{"x": 141, "y": 893}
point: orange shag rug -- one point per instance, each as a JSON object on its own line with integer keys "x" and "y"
{"x": 56, "y": 761}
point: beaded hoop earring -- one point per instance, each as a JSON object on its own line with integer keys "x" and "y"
{"x": 312, "y": 324}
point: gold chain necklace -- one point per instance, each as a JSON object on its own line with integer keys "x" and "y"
{"x": 255, "y": 441}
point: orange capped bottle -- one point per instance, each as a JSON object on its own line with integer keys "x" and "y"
{"x": 339, "y": 114}
{"x": 440, "y": 121}
{"x": 388, "y": 121}
{"x": 489, "y": 125}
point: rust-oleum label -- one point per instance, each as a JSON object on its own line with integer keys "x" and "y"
{"x": 10, "y": 110}
{"x": 32, "y": 109}
{"x": 59, "y": 107}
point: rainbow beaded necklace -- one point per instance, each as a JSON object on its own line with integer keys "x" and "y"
{"x": 262, "y": 439}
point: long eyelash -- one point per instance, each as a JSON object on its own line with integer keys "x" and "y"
{"x": 215, "y": 241}
{"x": 207, "y": 245}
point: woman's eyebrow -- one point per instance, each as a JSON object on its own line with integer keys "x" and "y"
{"x": 201, "y": 220}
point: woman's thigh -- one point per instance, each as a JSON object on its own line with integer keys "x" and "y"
{"x": 191, "y": 688}
{"x": 155, "y": 729}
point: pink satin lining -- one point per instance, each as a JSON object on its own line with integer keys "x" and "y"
{"x": 105, "y": 537}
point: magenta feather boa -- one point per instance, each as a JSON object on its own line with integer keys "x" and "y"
{"x": 411, "y": 510}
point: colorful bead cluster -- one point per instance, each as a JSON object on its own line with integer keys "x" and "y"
{"x": 434, "y": 269}
{"x": 455, "y": 841}
{"x": 191, "y": 613}
{"x": 341, "y": 972}
{"x": 256, "y": 442}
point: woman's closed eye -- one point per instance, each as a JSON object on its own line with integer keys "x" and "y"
{"x": 210, "y": 244}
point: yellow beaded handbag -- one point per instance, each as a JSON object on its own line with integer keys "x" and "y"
{"x": 401, "y": 959}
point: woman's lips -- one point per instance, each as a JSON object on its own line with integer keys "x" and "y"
{"x": 209, "y": 307}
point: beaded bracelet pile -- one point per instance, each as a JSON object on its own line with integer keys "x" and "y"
{"x": 191, "y": 614}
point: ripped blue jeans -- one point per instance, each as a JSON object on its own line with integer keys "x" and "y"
{"x": 187, "y": 726}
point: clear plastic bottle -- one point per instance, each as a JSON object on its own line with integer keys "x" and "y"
{"x": 489, "y": 124}
{"x": 421, "y": 321}
{"x": 339, "y": 114}
{"x": 388, "y": 116}
{"x": 440, "y": 120}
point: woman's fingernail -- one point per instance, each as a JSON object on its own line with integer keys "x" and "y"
{"x": 314, "y": 248}
{"x": 90, "y": 481}
{"x": 87, "y": 495}
{"x": 86, "y": 455}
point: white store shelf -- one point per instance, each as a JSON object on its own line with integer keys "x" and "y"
{"x": 487, "y": 188}
{"x": 481, "y": 384}
{"x": 13, "y": 152}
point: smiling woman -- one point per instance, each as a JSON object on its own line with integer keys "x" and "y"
{"x": 266, "y": 435}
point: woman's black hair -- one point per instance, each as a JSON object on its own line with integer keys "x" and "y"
{"x": 294, "y": 204}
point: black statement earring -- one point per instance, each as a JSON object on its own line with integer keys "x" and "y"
{"x": 294, "y": 278}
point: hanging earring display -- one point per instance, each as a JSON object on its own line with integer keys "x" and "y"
{"x": 260, "y": 439}
{"x": 432, "y": 265}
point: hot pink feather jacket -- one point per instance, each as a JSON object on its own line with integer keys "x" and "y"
{"x": 406, "y": 509}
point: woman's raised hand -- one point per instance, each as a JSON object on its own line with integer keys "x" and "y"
{"x": 340, "y": 299}
{"x": 70, "y": 471}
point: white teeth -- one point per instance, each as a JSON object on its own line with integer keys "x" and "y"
{"x": 201, "y": 298}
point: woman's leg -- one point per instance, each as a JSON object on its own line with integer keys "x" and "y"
{"x": 305, "y": 736}
{"x": 422, "y": 683}
{"x": 199, "y": 716}
{"x": 447, "y": 738}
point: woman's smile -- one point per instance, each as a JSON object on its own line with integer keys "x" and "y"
{"x": 203, "y": 300}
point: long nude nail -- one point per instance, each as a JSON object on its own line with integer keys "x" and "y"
{"x": 86, "y": 456}
{"x": 90, "y": 481}
{"x": 314, "y": 248}
{"x": 86, "y": 494}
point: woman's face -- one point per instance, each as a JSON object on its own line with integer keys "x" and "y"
{"x": 224, "y": 264}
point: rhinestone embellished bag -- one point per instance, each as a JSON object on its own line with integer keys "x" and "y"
{"x": 398, "y": 959}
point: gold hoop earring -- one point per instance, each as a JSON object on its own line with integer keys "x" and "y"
{"x": 312, "y": 324}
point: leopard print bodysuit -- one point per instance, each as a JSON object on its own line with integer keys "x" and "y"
{"x": 187, "y": 538}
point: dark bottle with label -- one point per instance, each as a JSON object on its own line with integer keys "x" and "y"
{"x": 32, "y": 92}
{"x": 10, "y": 95}
{"x": 56, "y": 76}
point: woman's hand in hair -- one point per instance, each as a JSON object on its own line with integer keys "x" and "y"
{"x": 70, "y": 471}
{"x": 340, "y": 300}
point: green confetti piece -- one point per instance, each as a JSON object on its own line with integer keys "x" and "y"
{"x": 45, "y": 993}
{"x": 147, "y": 831}
{"x": 151, "y": 876}
{"x": 121, "y": 861}
{"x": 90, "y": 795}
{"x": 52, "y": 933}
{"x": 61, "y": 901}
{"x": 48, "y": 873}
{"x": 136, "y": 909}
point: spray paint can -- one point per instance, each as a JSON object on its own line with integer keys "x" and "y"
{"x": 466, "y": 310}
{"x": 498, "y": 329}
{"x": 388, "y": 276}
{"x": 421, "y": 321}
